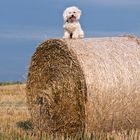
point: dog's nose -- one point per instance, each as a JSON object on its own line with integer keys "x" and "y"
{"x": 72, "y": 15}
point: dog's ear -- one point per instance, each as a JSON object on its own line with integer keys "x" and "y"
{"x": 65, "y": 15}
{"x": 79, "y": 12}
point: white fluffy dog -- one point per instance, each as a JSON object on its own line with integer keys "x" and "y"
{"x": 72, "y": 28}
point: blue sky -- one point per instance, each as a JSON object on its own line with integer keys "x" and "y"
{"x": 26, "y": 23}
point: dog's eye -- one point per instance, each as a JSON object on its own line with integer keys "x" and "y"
{"x": 69, "y": 12}
{"x": 74, "y": 12}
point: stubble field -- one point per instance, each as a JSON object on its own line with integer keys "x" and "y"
{"x": 15, "y": 121}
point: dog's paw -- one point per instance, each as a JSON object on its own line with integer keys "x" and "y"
{"x": 75, "y": 36}
{"x": 78, "y": 36}
{"x": 81, "y": 34}
{"x": 66, "y": 35}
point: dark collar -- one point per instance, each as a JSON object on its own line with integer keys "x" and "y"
{"x": 69, "y": 21}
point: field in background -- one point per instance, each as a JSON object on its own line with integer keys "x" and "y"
{"x": 15, "y": 119}
{"x": 13, "y": 110}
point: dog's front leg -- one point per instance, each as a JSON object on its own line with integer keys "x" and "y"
{"x": 66, "y": 34}
{"x": 78, "y": 34}
{"x": 75, "y": 35}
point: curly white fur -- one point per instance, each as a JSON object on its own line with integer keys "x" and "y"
{"x": 72, "y": 28}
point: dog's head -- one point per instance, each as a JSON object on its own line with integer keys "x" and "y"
{"x": 71, "y": 14}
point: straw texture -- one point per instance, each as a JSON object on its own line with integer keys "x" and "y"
{"x": 85, "y": 85}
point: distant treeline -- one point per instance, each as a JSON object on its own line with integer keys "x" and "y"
{"x": 10, "y": 83}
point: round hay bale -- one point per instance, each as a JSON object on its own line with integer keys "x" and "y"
{"x": 85, "y": 85}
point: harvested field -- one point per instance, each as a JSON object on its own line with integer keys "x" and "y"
{"x": 15, "y": 120}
